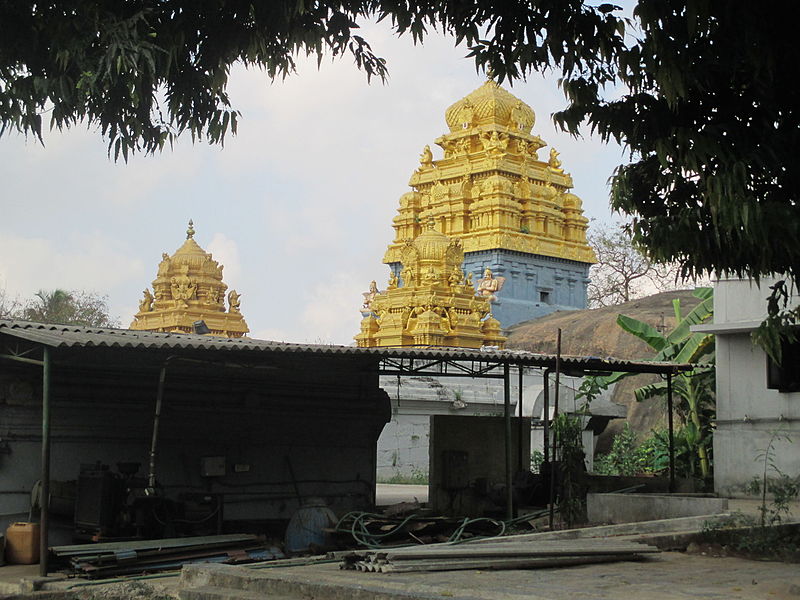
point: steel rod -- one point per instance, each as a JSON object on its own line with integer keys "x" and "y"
{"x": 555, "y": 432}
{"x": 44, "y": 501}
{"x": 507, "y": 414}
{"x": 671, "y": 435}
{"x": 151, "y": 476}
{"x": 22, "y": 359}
{"x": 520, "y": 428}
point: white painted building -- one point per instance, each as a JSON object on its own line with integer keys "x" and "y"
{"x": 749, "y": 412}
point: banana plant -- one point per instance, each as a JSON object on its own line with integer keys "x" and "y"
{"x": 681, "y": 345}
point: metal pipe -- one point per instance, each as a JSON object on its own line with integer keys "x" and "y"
{"x": 671, "y": 434}
{"x": 151, "y": 477}
{"x": 507, "y": 414}
{"x": 520, "y": 428}
{"x": 44, "y": 502}
{"x": 552, "y": 498}
{"x": 22, "y": 359}
{"x": 546, "y": 419}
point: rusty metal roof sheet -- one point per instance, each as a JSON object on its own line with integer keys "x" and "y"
{"x": 73, "y": 336}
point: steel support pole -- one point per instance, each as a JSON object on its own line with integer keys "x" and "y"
{"x": 520, "y": 428}
{"x": 151, "y": 476}
{"x": 509, "y": 466}
{"x": 671, "y": 435}
{"x": 554, "y": 455}
{"x": 546, "y": 420}
{"x": 44, "y": 502}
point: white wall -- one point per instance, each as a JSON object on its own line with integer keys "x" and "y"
{"x": 748, "y": 413}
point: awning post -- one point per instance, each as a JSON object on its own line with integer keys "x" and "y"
{"x": 507, "y": 414}
{"x": 521, "y": 430}
{"x": 671, "y": 435}
{"x": 44, "y": 502}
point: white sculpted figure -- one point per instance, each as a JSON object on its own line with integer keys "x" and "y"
{"x": 490, "y": 285}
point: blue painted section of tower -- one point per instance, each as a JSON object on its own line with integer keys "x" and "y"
{"x": 535, "y": 285}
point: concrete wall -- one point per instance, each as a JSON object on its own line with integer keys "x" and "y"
{"x": 748, "y": 414}
{"x": 404, "y": 442}
{"x": 480, "y": 476}
{"x": 630, "y": 508}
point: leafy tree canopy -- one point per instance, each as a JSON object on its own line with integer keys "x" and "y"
{"x": 707, "y": 108}
{"x": 65, "y": 308}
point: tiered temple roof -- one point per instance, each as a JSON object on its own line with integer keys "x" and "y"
{"x": 436, "y": 305}
{"x": 491, "y": 190}
{"x": 189, "y": 288}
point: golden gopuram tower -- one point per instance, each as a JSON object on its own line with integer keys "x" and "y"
{"x": 511, "y": 210}
{"x": 189, "y": 288}
{"x": 437, "y": 304}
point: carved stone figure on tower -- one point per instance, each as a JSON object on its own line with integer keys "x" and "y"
{"x": 183, "y": 287}
{"x": 466, "y": 115}
{"x": 369, "y": 295}
{"x": 234, "y": 301}
{"x": 490, "y": 285}
{"x": 554, "y": 162}
{"x": 426, "y": 158}
{"x": 146, "y": 303}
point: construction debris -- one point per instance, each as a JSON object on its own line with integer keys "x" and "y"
{"x": 509, "y": 555}
{"x": 113, "y": 559}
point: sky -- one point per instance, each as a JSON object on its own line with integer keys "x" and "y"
{"x": 297, "y": 206}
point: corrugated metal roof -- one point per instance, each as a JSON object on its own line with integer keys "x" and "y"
{"x": 72, "y": 336}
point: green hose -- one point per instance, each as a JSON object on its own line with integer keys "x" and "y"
{"x": 354, "y": 523}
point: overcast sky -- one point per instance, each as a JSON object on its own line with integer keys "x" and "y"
{"x": 297, "y": 206}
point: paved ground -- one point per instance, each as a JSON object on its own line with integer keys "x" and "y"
{"x": 391, "y": 493}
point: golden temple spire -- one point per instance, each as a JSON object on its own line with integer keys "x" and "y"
{"x": 491, "y": 190}
{"x": 189, "y": 288}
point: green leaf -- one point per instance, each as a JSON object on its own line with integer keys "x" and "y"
{"x": 645, "y": 332}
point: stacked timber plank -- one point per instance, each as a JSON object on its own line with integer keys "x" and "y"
{"x": 509, "y": 555}
{"x": 112, "y": 559}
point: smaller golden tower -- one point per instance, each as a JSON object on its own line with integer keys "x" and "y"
{"x": 436, "y": 305}
{"x": 189, "y": 288}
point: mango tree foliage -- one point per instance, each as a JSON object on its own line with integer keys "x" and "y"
{"x": 702, "y": 94}
{"x": 146, "y": 71}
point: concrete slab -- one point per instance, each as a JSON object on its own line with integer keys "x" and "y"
{"x": 668, "y": 576}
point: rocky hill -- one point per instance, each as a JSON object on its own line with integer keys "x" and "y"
{"x": 594, "y": 332}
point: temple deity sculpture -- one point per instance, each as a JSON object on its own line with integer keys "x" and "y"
{"x": 392, "y": 281}
{"x": 554, "y": 162}
{"x": 426, "y": 158}
{"x": 466, "y": 115}
{"x": 490, "y": 285}
{"x": 369, "y": 295}
{"x": 234, "y": 301}
{"x": 146, "y": 303}
{"x": 183, "y": 287}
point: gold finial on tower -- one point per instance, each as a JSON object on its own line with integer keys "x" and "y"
{"x": 190, "y": 230}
